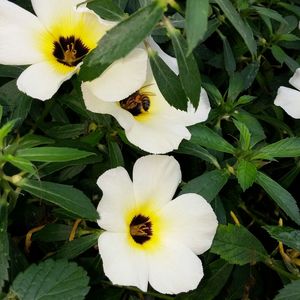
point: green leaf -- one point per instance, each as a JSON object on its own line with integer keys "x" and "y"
{"x": 76, "y": 247}
{"x": 168, "y": 83}
{"x": 52, "y": 154}
{"x": 272, "y": 14}
{"x": 290, "y": 291}
{"x": 66, "y": 131}
{"x": 121, "y": 39}
{"x": 229, "y": 60}
{"x": 206, "y": 137}
{"x": 280, "y": 195}
{"x": 64, "y": 196}
{"x": 208, "y": 185}
{"x": 246, "y": 174}
{"x": 289, "y": 147}
{"x": 188, "y": 69}
{"x": 245, "y": 135}
{"x": 32, "y": 140}
{"x": 287, "y": 235}
{"x": 196, "y": 21}
{"x": 237, "y": 245}
{"x": 10, "y": 71}
{"x": 21, "y": 163}
{"x": 115, "y": 153}
{"x": 235, "y": 19}
{"x": 59, "y": 280}
{"x": 4, "y": 245}
{"x": 5, "y": 130}
{"x": 106, "y": 9}
{"x": 282, "y": 57}
{"x": 53, "y": 233}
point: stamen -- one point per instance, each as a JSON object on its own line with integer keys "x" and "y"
{"x": 140, "y": 229}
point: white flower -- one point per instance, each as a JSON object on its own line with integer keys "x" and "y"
{"x": 148, "y": 237}
{"x": 54, "y": 43}
{"x": 289, "y": 99}
{"x": 150, "y": 122}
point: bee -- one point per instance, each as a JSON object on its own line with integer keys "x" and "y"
{"x": 136, "y": 103}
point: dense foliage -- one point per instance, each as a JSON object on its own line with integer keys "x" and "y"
{"x": 243, "y": 160}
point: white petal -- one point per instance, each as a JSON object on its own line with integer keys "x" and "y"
{"x": 122, "y": 263}
{"x": 191, "y": 221}
{"x": 96, "y": 105}
{"x": 19, "y": 35}
{"x": 155, "y": 178}
{"x": 174, "y": 268}
{"x": 295, "y": 80}
{"x": 117, "y": 199}
{"x": 169, "y": 60}
{"x": 122, "y": 78}
{"x": 41, "y": 80}
{"x": 289, "y": 100}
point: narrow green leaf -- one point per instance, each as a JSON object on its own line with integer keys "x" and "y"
{"x": 106, "y": 9}
{"x": 59, "y": 280}
{"x": 280, "y": 195}
{"x": 237, "y": 245}
{"x": 66, "y": 131}
{"x": 196, "y": 21}
{"x": 246, "y": 174}
{"x": 273, "y": 14}
{"x": 235, "y": 19}
{"x": 10, "y": 71}
{"x": 290, "y": 291}
{"x": 168, "y": 83}
{"x": 52, "y": 154}
{"x": 32, "y": 140}
{"x": 289, "y": 147}
{"x": 292, "y": 8}
{"x": 206, "y": 137}
{"x": 53, "y": 233}
{"x": 229, "y": 60}
{"x": 245, "y": 135}
{"x": 115, "y": 153}
{"x": 121, "y": 39}
{"x": 208, "y": 185}
{"x": 21, "y": 163}
{"x": 287, "y": 235}
{"x": 64, "y": 196}
{"x": 76, "y": 247}
{"x": 188, "y": 69}
{"x": 5, "y": 130}
{"x": 282, "y": 57}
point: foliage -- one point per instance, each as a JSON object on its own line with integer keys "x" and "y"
{"x": 244, "y": 159}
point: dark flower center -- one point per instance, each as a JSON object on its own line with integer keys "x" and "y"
{"x": 141, "y": 229}
{"x": 137, "y": 103}
{"x": 69, "y": 51}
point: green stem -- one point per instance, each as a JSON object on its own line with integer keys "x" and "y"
{"x": 271, "y": 264}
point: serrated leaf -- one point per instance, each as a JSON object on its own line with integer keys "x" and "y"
{"x": 106, "y": 9}
{"x": 289, "y": 147}
{"x": 60, "y": 280}
{"x": 206, "y": 137}
{"x": 280, "y": 195}
{"x": 188, "y": 69}
{"x": 52, "y": 154}
{"x": 246, "y": 174}
{"x": 245, "y": 135}
{"x": 237, "y": 245}
{"x": 168, "y": 83}
{"x": 287, "y": 235}
{"x": 196, "y": 21}
{"x": 121, "y": 39}
{"x": 208, "y": 185}
{"x": 237, "y": 22}
{"x": 78, "y": 246}
{"x": 65, "y": 196}
{"x": 290, "y": 291}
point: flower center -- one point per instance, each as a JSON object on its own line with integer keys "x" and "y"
{"x": 137, "y": 103}
{"x": 140, "y": 229}
{"x": 69, "y": 51}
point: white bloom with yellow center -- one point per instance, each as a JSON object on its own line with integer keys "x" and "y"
{"x": 54, "y": 43}
{"x": 148, "y": 236}
{"x": 289, "y": 99}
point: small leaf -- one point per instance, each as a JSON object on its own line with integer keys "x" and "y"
{"x": 235, "y": 19}
{"x": 21, "y": 163}
{"x": 32, "y": 140}
{"x": 287, "y": 235}
{"x": 206, "y": 137}
{"x": 76, "y": 247}
{"x": 281, "y": 196}
{"x": 52, "y": 154}
{"x": 282, "y": 57}
{"x": 272, "y": 14}
{"x": 289, "y": 147}
{"x": 196, "y": 21}
{"x": 115, "y": 153}
{"x": 290, "y": 291}
{"x": 5, "y": 130}
{"x": 237, "y": 245}
{"x": 121, "y": 39}
{"x": 53, "y": 233}
{"x": 245, "y": 135}
{"x": 60, "y": 280}
{"x": 229, "y": 60}
{"x": 168, "y": 83}
{"x": 208, "y": 185}
{"x": 66, "y": 131}
{"x": 188, "y": 69}
{"x": 246, "y": 174}
{"x": 64, "y": 196}
{"x": 106, "y": 9}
